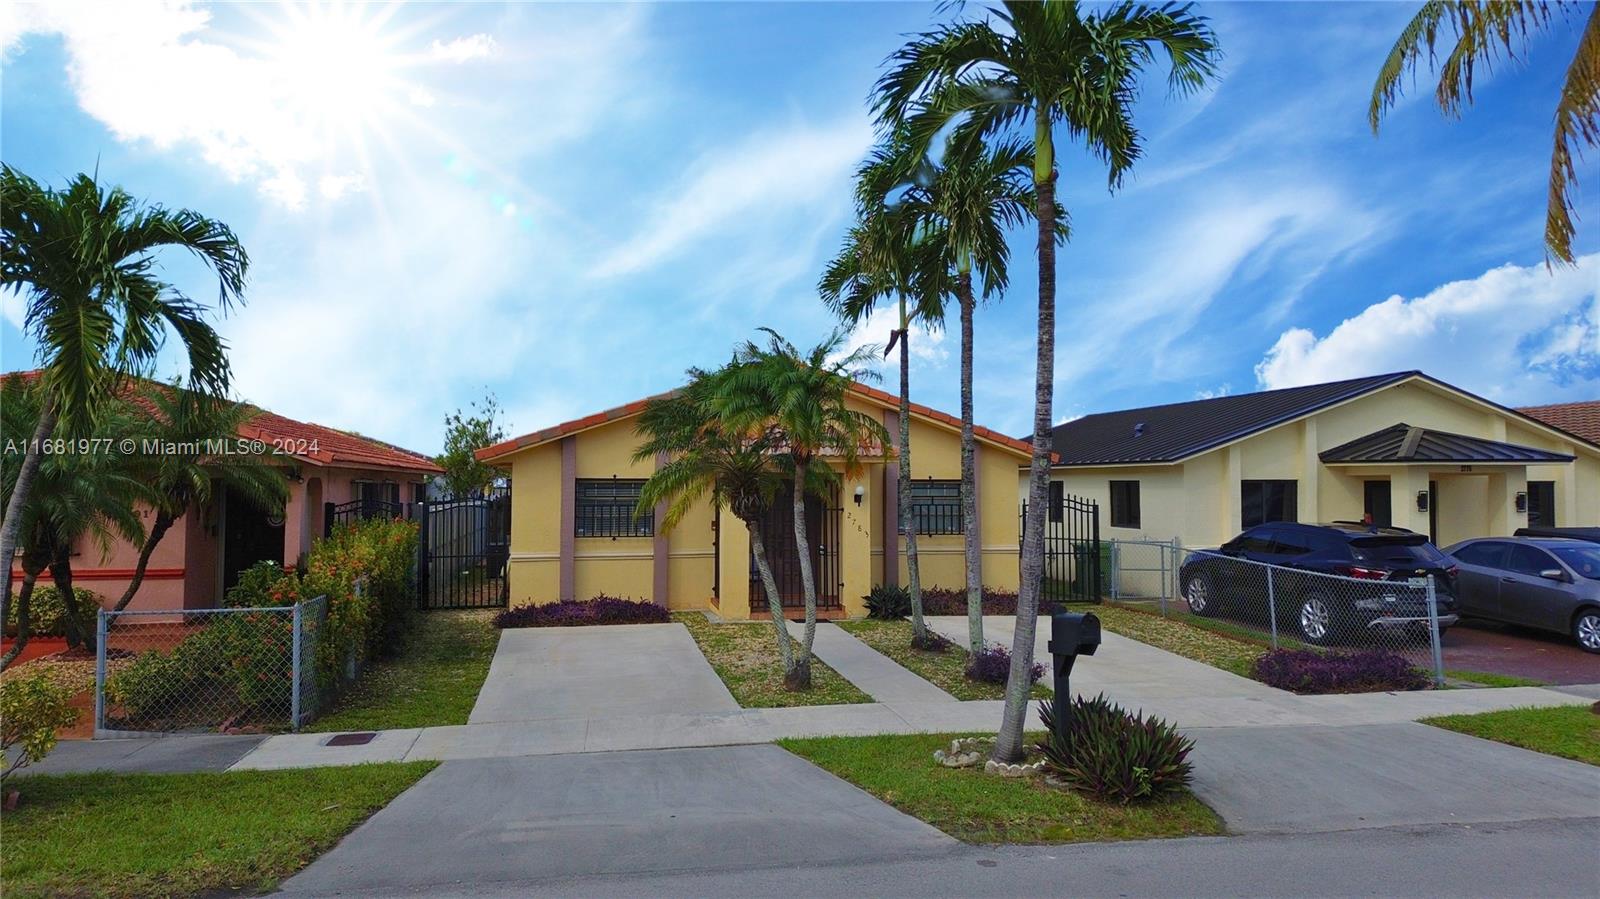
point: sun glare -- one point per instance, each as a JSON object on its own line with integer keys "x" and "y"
{"x": 337, "y": 67}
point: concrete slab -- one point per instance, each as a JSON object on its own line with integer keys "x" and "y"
{"x": 157, "y": 755}
{"x": 500, "y": 740}
{"x": 1312, "y": 779}
{"x": 540, "y": 820}
{"x": 583, "y": 672}
{"x": 1587, "y": 691}
{"x": 876, "y": 674}
{"x": 311, "y": 750}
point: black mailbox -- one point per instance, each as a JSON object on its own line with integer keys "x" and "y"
{"x": 1071, "y": 634}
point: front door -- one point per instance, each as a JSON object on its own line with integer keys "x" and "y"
{"x": 783, "y": 555}
{"x": 250, "y": 535}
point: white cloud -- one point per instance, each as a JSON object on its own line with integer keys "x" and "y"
{"x": 726, "y": 189}
{"x": 927, "y": 345}
{"x": 463, "y": 49}
{"x": 13, "y": 308}
{"x": 1516, "y": 334}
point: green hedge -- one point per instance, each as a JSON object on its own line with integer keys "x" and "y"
{"x": 47, "y": 614}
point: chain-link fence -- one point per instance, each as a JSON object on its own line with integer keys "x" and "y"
{"x": 1399, "y": 612}
{"x": 208, "y": 670}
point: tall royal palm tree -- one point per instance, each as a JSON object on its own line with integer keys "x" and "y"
{"x": 84, "y": 260}
{"x": 708, "y": 459}
{"x": 884, "y": 256}
{"x": 1050, "y": 66}
{"x": 187, "y": 475}
{"x": 1483, "y": 30}
{"x": 799, "y": 399}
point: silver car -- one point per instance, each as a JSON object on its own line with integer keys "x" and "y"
{"x": 1549, "y": 583}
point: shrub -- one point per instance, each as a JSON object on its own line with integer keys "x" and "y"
{"x": 992, "y": 665}
{"x": 951, "y": 601}
{"x": 931, "y": 641}
{"x": 887, "y": 602}
{"x": 365, "y": 571}
{"x": 261, "y": 585}
{"x": 1310, "y": 671}
{"x": 573, "y": 613}
{"x": 47, "y": 614}
{"x": 1113, "y": 754}
{"x": 32, "y": 708}
{"x": 237, "y": 663}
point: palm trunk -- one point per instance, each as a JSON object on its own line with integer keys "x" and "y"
{"x": 61, "y": 573}
{"x": 919, "y": 628}
{"x": 24, "y": 618}
{"x": 19, "y": 495}
{"x": 969, "y": 473}
{"x": 800, "y": 677}
{"x": 774, "y": 602}
{"x": 1008, "y": 743}
{"x": 158, "y": 530}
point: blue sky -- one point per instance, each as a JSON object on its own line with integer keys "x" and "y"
{"x": 568, "y": 205}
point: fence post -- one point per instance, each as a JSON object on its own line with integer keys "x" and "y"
{"x": 1433, "y": 635}
{"x": 424, "y": 588}
{"x": 100, "y": 671}
{"x": 294, "y": 697}
{"x": 1116, "y": 569}
{"x": 1272, "y": 607}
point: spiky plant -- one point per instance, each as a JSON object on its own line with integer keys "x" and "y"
{"x": 1114, "y": 754}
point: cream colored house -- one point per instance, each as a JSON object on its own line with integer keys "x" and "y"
{"x": 1402, "y": 449}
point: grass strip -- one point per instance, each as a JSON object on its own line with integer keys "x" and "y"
{"x": 433, "y": 680}
{"x": 1569, "y": 731}
{"x": 745, "y": 656}
{"x": 945, "y": 670}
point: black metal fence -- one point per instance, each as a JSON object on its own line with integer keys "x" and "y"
{"x": 464, "y": 550}
{"x": 1075, "y": 564}
{"x": 335, "y": 514}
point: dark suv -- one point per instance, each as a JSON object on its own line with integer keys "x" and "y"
{"x": 1323, "y": 610}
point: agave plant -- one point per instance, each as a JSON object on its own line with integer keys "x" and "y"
{"x": 1111, "y": 753}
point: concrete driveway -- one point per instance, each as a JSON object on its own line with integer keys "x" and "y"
{"x": 544, "y": 673}
{"x": 537, "y": 820}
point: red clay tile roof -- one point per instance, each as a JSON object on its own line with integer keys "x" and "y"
{"x": 1581, "y": 419}
{"x": 334, "y": 448}
{"x": 490, "y": 453}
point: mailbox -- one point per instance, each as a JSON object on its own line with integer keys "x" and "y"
{"x": 1071, "y": 634}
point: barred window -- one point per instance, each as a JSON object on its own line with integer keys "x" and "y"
{"x": 605, "y": 509}
{"x": 936, "y": 507}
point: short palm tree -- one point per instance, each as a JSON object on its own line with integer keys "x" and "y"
{"x": 186, "y": 422}
{"x": 1046, "y": 65}
{"x": 706, "y": 459}
{"x": 84, "y": 260}
{"x": 798, "y": 400}
{"x": 1483, "y": 30}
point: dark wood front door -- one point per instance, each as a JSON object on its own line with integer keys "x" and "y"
{"x": 777, "y": 533}
{"x": 249, "y": 536}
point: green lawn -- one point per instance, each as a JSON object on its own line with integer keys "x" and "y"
{"x": 433, "y": 680}
{"x": 745, "y": 656}
{"x": 185, "y": 834}
{"x": 1201, "y": 639}
{"x": 945, "y": 670}
{"x": 1570, "y": 731}
{"x": 979, "y": 808}
{"x": 1490, "y": 679}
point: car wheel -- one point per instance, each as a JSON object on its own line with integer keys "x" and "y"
{"x": 1586, "y": 630}
{"x": 1316, "y": 620}
{"x": 1200, "y": 594}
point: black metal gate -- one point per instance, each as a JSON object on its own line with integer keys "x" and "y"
{"x": 777, "y": 535}
{"x": 463, "y": 551}
{"x": 1075, "y": 567}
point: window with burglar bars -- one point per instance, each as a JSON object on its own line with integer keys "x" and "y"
{"x": 1264, "y": 501}
{"x": 605, "y": 509}
{"x": 936, "y": 507}
{"x": 1124, "y": 504}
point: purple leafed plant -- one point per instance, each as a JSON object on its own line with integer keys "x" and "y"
{"x": 992, "y": 665}
{"x": 576, "y": 613}
{"x": 950, "y": 601}
{"x": 1367, "y": 671}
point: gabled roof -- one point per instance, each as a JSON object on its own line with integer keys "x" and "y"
{"x": 628, "y": 410}
{"x": 1158, "y": 434}
{"x": 1404, "y": 443}
{"x": 334, "y": 448}
{"x": 1581, "y": 418}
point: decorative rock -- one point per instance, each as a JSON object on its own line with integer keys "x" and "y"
{"x": 1028, "y": 769}
{"x": 963, "y": 753}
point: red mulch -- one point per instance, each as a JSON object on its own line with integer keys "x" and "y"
{"x": 37, "y": 646}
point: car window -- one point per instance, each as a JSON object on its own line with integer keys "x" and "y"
{"x": 1585, "y": 560}
{"x": 1524, "y": 559}
{"x": 1489, "y": 554}
{"x": 1255, "y": 540}
{"x": 1289, "y": 542}
{"x": 1397, "y": 552}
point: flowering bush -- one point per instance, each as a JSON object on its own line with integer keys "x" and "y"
{"x": 365, "y": 571}
{"x": 1310, "y": 671}
{"x": 262, "y": 585}
{"x": 1113, "y": 754}
{"x": 32, "y": 708}
{"x": 572, "y": 613}
{"x": 47, "y": 614}
{"x": 992, "y": 665}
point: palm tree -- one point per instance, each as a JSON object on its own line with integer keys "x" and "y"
{"x": 78, "y": 495}
{"x": 1046, "y": 65}
{"x": 1482, "y": 31}
{"x": 187, "y": 421}
{"x": 706, "y": 458}
{"x": 84, "y": 259}
{"x": 799, "y": 399}
{"x": 883, "y": 256}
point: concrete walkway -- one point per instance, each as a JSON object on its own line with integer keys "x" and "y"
{"x": 177, "y": 754}
{"x": 876, "y": 674}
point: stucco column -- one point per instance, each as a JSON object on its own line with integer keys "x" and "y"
{"x": 1310, "y": 486}
{"x": 733, "y": 568}
{"x": 977, "y": 506}
{"x": 855, "y": 547}
{"x": 1504, "y": 519}
{"x": 660, "y": 548}
{"x": 1231, "y": 513}
{"x": 569, "y": 516}
{"x": 1404, "y": 485}
{"x": 891, "y": 503}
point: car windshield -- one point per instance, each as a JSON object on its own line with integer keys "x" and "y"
{"x": 1396, "y": 552}
{"x": 1585, "y": 560}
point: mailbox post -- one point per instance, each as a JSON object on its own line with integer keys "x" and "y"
{"x": 1071, "y": 634}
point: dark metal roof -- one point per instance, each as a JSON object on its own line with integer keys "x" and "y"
{"x": 1404, "y": 443}
{"x": 1157, "y": 434}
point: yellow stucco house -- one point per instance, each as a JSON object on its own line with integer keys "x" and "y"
{"x": 573, "y": 536}
{"x": 1403, "y": 448}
